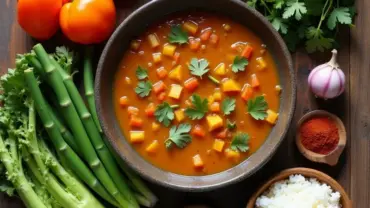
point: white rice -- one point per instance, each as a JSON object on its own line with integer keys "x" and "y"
{"x": 299, "y": 192}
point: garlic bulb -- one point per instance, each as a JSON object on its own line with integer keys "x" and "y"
{"x": 327, "y": 80}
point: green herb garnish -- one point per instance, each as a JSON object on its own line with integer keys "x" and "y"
{"x": 239, "y": 64}
{"x": 143, "y": 88}
{"x": 198, "y": 67}
{"x": 199, "y": 109}
{"x": 257, "y": 108}
{"x": 179, "y": 136}
{"x": 240, "y": 142}
{"x": 141, "y": 73}
{"x": 228, "y": 105}
{"x": 214, "y": 80}
{"x": 230, "y": 125}
{"x": 164, "y": 114}
{"x": 177, "y": 35}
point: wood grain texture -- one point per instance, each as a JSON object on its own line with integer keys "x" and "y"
{"x": 353, "y": 170}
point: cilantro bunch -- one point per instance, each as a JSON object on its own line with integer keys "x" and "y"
{"x": 313, "y": 23}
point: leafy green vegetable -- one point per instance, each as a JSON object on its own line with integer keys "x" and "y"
{"x": 294, "y": 7}
{"x": 339, "y": 15}
{"x": 164, "y": 114}
{"x": 198, "y": 67}
{"x": 179, "y": 136}
{"x": 240, "y": 142}
{"x": 143, "y": 88}
{"x": 213, "y": 79}
{"x": 228, "y": 105}
{"x": 141, "y": 73}
{"x": 65, "y": 58}
{"x": 178, "y": 35}
{"x": 239, "y": 64}
{"x": 257, "y": 108}
{"x": 230, "y": 125}
{"x": 199, "y": 109}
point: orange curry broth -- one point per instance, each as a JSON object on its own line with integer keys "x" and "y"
{"x": 181, "y": 160}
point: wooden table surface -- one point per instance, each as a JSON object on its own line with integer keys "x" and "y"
{"x": 353, "y": 170}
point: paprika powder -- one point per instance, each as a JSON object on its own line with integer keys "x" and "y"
{"x": 319, "y": 135}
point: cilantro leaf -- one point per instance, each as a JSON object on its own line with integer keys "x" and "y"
{"x": 240, "y": 142}
{"x": 141, "y": 73}
{"x": 239, "y": 64}
{"x": 198, "y": 67}
{"x": 143, "y": 88}
{"x": 278, "y": 4}
{"x": 228, "y": 105}
{"x": 257, "y": 108}
{"x": 294, "y": 7}
{"x": 316, "y": 41}
{"x": 339, "y": 15}
{"x": 164, "y": 114}
{"x": 178, "y": 35}
{"x": 65, "y": 57}
{"x": 279, "y": 24}
{"x": 230, "y": 125}
{"x": 199, "y": 109}
{"x": 179, "y": 136}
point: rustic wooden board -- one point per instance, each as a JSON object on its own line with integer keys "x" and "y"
{"x": 353, "y": 170}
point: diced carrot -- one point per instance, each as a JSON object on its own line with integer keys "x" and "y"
{"x": 176, "y": 57}
{"x": 213, "y": 39}
{"x": 222, "y": 134}
{"x": 135, "y": 121}
{"x": 247, "y": 92}
{"x": 152, "y": 147}
{"x": 132, "y": 111}
{"x": 255, "y": 82}
{"x": 149, "y": 110}
{"x": 135, "y": 45}
{"x": 198, "y": 131}
{"x": 206, "y": 33}
{"x": 161, "y": 96}
{"x": 215, "y": 107}
{"x": 197, "y": 161}
{"x": 247, "y": 52}
{"x": 159, "y": 87}
{"x": 123, "y": 101}
{"x": 191, "y": 27}
{"x": 194, "y": 44}
{"x": 191, "y": 84}
{"x": 153, "y": 40}
{"x": 162, "y": 73}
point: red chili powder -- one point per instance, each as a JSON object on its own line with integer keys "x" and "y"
{"x": 319, "y": 135}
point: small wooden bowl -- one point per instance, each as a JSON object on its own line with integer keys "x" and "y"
{"x": 332, "y": 157}
{"x": 309, "y": 173}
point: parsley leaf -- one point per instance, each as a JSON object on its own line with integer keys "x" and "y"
{"x": 279, "y": 4}
{"x": 164, "y": 114}
{"x": 198, "y": 67}
{"x": 240, "y": 142}
{"x": 257, "y": 108}
{"x": 295, "y": 7}
{"x": 239, "y": 64}
{"x": 339, "y": 15}
{"x": 316, "y": 41}
{"x": 199, "y": 109}
{"x": 143, "y": 88}
{"x": 141, "y": 73}
{"x": 179, "y": 136}
{"x": 228, "y": 105}
{"x": 230, "y": 125}
{"x": 178, "y": 35}
{"x": 279, "y": 24}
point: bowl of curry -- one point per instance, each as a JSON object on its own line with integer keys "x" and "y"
{"x": 193, "y": 94}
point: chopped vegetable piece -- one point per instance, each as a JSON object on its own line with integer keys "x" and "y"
{"x": 136, "y": 121}
{"x": 175, "y": 91}
{"x": 176, "y": 73}
{"x": 220, "y": 69}
{"x": 218, "y": 145}
{"x": 271, "y": 116}
{"x": 191, "y": 27}
{"x": 137, "y": 136}
{"x": 240, "y": 142}
{"x": 255, "y": 82}
{"x": 128, "y": 80}
{"x": 155, "y": 126}
{"x": 217, "y": 95}
{"x": 161, "y": 96}
{"x": 261, "y": 63}
{"x": 191, "y": 84}
{"x": 257, "y": 108}
{"x": 230, "y": 125}
{"x": 176, "y": 58}
{"x": 214, "y": 39}
{"x": 157, "y": 57}
{"x": 197, "y": 161}
{"x": 230, "y": 85}
{"x": 132, "y": 111}
{"x": 153, "y": 40}
{"x": 159, "y": 87}
{"x": 162, "y": 72}
{"x": 194, "y": 44}
{"x": 211, "y": 99}
{"x": 214, "y": 80}
{"x": 222, "y": 134}
{"x": 278, "y": 89}
{"x": 215, "y": 107}
{"x": 239, "y": 64}
{"x": 226, "y": 27}
{"x": 228, "y": 106}
{"x": 198, "y": 67}
{"x": 150, "y": 109}
{"x": 135, "y": 45}
{"x": 179, "y": 136}
{"x": 169, "y": 50}
{"x": 198, "y": 131}
{"x": 180, "y": 115}
{"x": 152, "y": 147}
{"x": 123, "y": 101}
{"x": 232, "y": 155}
{"x": 143, "y": 88}
{"x": 247, "y": 52}
{"x": 214, "y": 122}
{"x": 177, "y": 35}
{"x": 247, "y": 92}
{"x": 141, "y": 73}
{"x": 199, "y": 108}
{"x": 206, "y": 33}
{"x": 164, "y": 114}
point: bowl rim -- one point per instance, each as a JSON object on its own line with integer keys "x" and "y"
{"x": 240, "y": 176}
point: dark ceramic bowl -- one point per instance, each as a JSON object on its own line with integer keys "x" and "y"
{"x": 136, "y": 24}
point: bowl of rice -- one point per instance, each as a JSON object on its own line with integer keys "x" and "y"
{"x": 300, "y": 188}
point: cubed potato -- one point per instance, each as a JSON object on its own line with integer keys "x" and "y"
{"x": 220, "y": 70}
{"x": 175, "y": 91}
{"x": 230, "y": 85}
{"x": 261, "y": 63}
{"x": 169, "y": 50}
{"x": 271, "y": 116}
{"x": 232, "y": 155}
{"x": 214, "y": 122}
{"x": 157, "y": 57}
{"x": 218, "y": 145}
{"x": 191, "y": 27}
{"x": 153, "y": 40}
{"x": 137, "y": 136}
{"x": 176, "y": 73}
{"x": 152, "y": 147}
{"x": 197, "y": 161}
{"x": 179, "y": 115}
{"x": 217, "y": 96}
{"x": 155, "y": 126}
